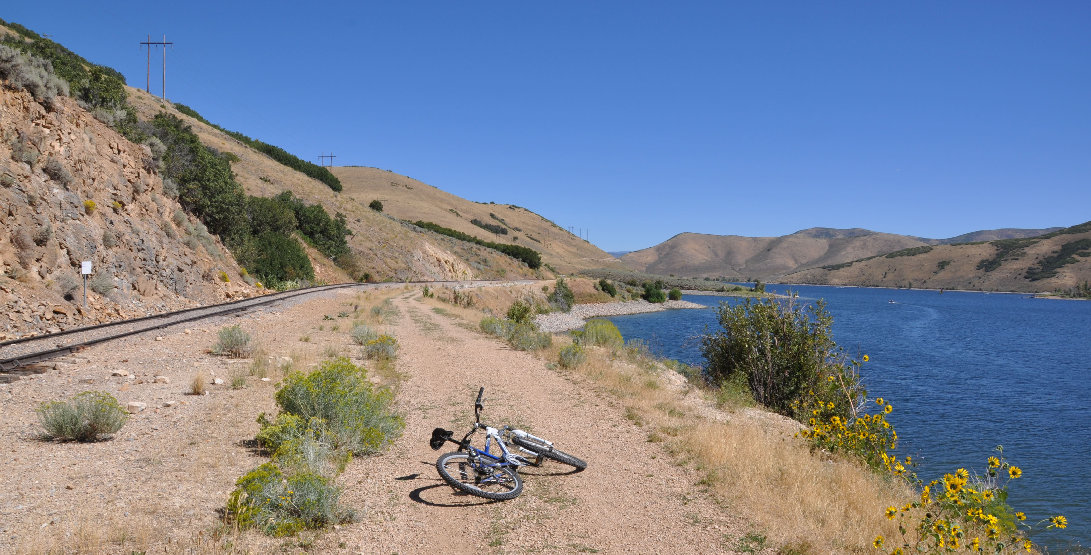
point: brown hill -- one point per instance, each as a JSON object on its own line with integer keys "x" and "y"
{"x": 384, "y": 247}
{"x": 406, "y": 198}
{"x": 736, "y": 257}
{"x": 1056, "y": 261}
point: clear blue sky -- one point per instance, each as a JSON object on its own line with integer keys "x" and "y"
{"x": 639, "y": 120}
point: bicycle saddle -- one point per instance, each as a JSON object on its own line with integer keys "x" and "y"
{"x": 439, "y": 437}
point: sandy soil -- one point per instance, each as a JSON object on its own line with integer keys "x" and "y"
{"x": 160, "y": 483}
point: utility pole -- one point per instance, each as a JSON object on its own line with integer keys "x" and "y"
{"x": 149, "y": 44}
{"x": 322, "y": 159}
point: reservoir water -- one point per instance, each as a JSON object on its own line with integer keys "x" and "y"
{"x": 965, "y": 372}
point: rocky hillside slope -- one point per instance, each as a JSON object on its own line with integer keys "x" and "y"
{"x": 412, "y": 200}
{"x": 765, "y": 258}
{"x": 74, "y": 190}
{"x": 1056, "y": 261}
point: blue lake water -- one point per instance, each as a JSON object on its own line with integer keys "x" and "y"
{"x": 965, "y": 372}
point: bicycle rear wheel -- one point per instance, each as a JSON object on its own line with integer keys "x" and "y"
{"x": 549, "y": 452}
{"x": 490, "y": 482}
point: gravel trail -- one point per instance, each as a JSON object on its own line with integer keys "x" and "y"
{"x": 160, "y": 483}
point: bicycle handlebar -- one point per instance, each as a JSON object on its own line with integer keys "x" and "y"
{"x": 478, "y": 407}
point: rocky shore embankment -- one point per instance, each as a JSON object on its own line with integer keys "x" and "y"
{"x": 575, "y": 318}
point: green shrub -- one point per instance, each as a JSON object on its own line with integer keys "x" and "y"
{"x": 361, "y": 334}
{"x": 608, "y": 287}
{"x": 674, "y": 295}
{"x": 356, "y": 418}
{"x": 233, "y": 342}
{"x": 86, "y": 417}
{"x": 561, "y": 298}
{"x": 311, "y": 455}
{"x": 376, "y": 205}
{"x": 30, "y": 73}
{"x": 287, "y": 427}
{"x": 653, "y": 293}
{"x": 601, "y": 332}
{"x": 520, "y": 312}
{"x": 281, "y": 505}
{"x": 278, "y": 154}
{"x": 572, "y": 356}
{"x": 495, "y": 327}
{"x": 526, "y": 337}
{"x": 383, "y": 347}
{"x": 274, "y": 257}
{"x": 528, "y": 256}
{"x": 787, "y": 354}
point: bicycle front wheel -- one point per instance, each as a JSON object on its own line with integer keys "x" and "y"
{"x": 549, "y": 452}
{"x": 490, "y": 482}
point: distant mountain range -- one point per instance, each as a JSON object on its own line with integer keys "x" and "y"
{"x": 1000, "y": 259}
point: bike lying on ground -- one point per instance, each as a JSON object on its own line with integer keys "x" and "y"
{"x": 489, "y": 474}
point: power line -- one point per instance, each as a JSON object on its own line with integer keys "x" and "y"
{"x": 322, "y": 159}
{"x": 149, "y": 44}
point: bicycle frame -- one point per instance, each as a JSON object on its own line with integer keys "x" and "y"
{"x": 492, "y": 435}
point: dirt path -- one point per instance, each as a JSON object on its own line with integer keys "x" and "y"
{"x": 631, "y": 499}
{"x": 157, "y": 486}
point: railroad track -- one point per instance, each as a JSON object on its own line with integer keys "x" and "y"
{"x": 18, "y": 353}
{"x": 28, "y": 351}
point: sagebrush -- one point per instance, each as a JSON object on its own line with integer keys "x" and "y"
{"x": 89, "y": 416}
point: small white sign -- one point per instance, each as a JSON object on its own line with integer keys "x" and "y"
{"x": 85, "y": 267}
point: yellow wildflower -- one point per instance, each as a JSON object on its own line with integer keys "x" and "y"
{"x": 879, "y": 401}
{"x": 987, "y": 495}
{"x": 887, "y": 409}
{"x": 994, "y": 462}
{"x": 878, "y": 543}
{"x": 962, "y": 474}
{"x": 1021, "y": 515}
{"x": 866, "y": 358}
{"x": 1028, "y": 546}
{"x": 1058, "y": 522}
{"x": 975, "y": 544}
{"x": 891, "y": 512}
{"x": 992, "y": 532}
{"x": 1014, "y": 472}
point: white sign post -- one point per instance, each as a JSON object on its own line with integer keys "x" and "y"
{"x": 85, "y": 269}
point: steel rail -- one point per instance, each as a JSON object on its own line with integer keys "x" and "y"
{"x": 222, "y": 309}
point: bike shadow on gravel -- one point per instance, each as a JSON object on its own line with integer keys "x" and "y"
{"x": 441, "y": 495}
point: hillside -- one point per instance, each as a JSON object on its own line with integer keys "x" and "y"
{"x": 1056, "y": 261}
{"x": 408, "y": 199}
{"x": 382, "y": 246}
{"x": 74, "y": 190}
{"x": 766, "y": 258}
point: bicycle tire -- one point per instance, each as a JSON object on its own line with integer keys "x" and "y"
{"x": 549, "y": 452}
{"x": 500, "y": 484}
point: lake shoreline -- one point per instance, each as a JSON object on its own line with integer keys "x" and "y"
{"x": 574, "y": 319}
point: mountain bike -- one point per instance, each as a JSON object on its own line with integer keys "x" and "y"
{"x": 489, "y": 474}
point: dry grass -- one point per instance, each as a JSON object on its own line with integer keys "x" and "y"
{"x": 750, "y": 459}
{"x": 199, "y": 385}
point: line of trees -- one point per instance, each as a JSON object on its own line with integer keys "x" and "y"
{"x": 528, "y": 256}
